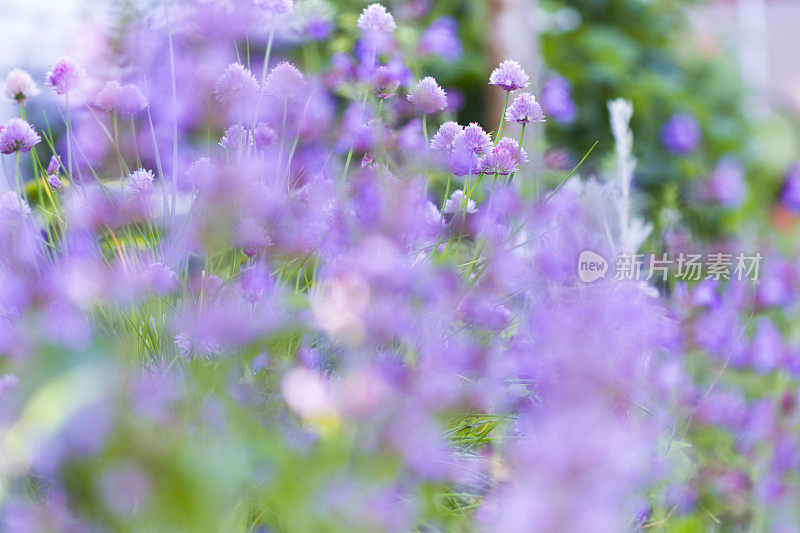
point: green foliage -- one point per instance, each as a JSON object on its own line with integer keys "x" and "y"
{"x": 643, "y": 52}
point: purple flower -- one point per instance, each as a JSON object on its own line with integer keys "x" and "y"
{"x": 473, "y": 139}
{"x": 726, "y": 184}
{"x": 160, "y": 278}
{"x": 454, "y": 204}
{"x": 509, "y": 75}
{"x": 254, "y": 283}
{"x": 124, "y": 489}
{"x": 441, "y": 39}
{"x": 140, "y": 183}
{"x": 427, "y": 96}
{"x": 557, "y": 100}
{"x": 10, "y": 205}
{"x": 192, "y": 346}
{"x": 284, "y": 81}
{"x": 790, "y": 193}
{"x": 444, "y": 138}
{"x": 18, "y": 136}
{"x": 235, "y": 85}
{"x": 525, "y": 109}
{"x": 264, "y": 136}
{"x": 504, "y": 158}
{"x": 127, "y": 100}
{"x": 200, "y": 174}
{"x": 318, "y": 27}
{"x": 767, "y": 350}
{"x": 376, "y": 19}
{"x": 20, "y": 86}
{"x": 55, "y": 183}
{"x": 54, "y": 165}
{"x": 468, "y": 147}
{"x": 65, "y": 76}
{"x": 236, "y": 137}
{"x": 681, "y": 134}
{"x": 386, "y": 83}
{"x": 278, "y": 7}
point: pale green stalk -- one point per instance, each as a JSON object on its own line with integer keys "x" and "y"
{"x": 502, "y": 119}
{"x": 18, "y": 181}
{"x": 519, "y": 151}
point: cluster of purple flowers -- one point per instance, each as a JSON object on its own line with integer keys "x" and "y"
{"x": 210, "y": 318}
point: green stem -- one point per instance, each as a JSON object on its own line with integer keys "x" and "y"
{"x": 266, "y": 56}
{"x": 135, "y": 144}
{"x": 120, "y": 159}
{"x": 502, "y": 119}
{"x": 350, "y": 152}
{"x": 441, "y": 218}
{"x": 18, "y": 182}
{"x": 69, "y": 140}
{"x": 519, "y": 152}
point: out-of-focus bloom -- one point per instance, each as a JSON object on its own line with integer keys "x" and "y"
{"x": 558, "y": 159}
{"x": 525, "y": 109}
{"x": 279, "y": 7}
{"x": 127, "y": 100}
{"x": 236, "y": 84}
{"x": 306, "y": 394}
{"x": 456, "y": 201}
{"x": 65, "y": 76}
{"x": 319, "y": 29}
{"x": 726, "y": 185}
{"x": 284, "y": 81}
{"x": 18, "y": 136}
{"x": 140, "y": 183}
{"x": 441, "y": 39}
{"x": 509, "y": 75}
{"x": 557, "y": 99}
{"x": 10, "y": 205}
{"x": 191, "y": 346}
{"x": 254, "y": 283}
{"x": 444, "y": 138}
{"x": 263, "y": 135}
{"x": 428, "y": 96}
{"x": 200, "y": 173}
{"x": 160, "y": 278}
{"x": 20, "y": 86}
{"x": 236, "y": 136}
{"x": 767, "y": 350}
{"x": 124, "y": 489}
{"x": 504, "y": 158}
{"x": 386, "y": 83}
{"x": 376, "y": 19}
{"x": 790, "y": 194}
{"x": 681, "y": 134}
{"x": 455, "y": 99}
